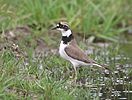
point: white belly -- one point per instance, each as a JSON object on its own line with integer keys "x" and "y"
{"x": 63, "y": 54}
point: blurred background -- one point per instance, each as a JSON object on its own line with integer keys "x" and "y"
{"x": 106, "y": 20}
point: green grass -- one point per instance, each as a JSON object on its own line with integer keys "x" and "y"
{"x": 105, "y": 19}
{"x": 47, "y": 76}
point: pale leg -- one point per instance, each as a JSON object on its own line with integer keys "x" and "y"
{"x": 75, "y": 74}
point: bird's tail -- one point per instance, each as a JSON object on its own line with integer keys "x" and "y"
{"x": 101, "y": 66}
{"x": 104, "y": 67}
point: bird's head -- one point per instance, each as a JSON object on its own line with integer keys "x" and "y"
{"x": 63, "y": 28}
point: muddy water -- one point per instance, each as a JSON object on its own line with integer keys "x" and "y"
{"x": 118, "y": 84}
{"x": 121, "y": 87}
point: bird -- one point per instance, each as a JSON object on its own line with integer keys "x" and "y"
{"x": 70, "y": 51}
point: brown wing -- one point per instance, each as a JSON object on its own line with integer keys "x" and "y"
{"x": 76, "y": 53}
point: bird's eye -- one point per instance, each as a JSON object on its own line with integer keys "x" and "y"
{"x": 65, "y": 27}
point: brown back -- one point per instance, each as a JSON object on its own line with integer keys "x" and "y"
{"x": 75, "y": 52}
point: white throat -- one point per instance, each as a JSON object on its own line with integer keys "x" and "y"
{"x": 66, "y": 33}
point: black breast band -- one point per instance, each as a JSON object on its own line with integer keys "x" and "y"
{"x": 66, "y": 39}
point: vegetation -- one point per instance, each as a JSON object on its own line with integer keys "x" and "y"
{"x": 105, "y": 19}
{"x": 30, "y": 67}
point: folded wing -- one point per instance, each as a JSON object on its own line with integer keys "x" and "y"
{"x": 76, "y": 53}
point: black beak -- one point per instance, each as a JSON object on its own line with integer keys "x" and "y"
{"x": 54, "y": 28}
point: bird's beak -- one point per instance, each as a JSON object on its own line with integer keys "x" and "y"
{"x": 54, "y": 28}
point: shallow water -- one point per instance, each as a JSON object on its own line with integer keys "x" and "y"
{"x": 121, "y": 87}
{"x": 118, "y": 84}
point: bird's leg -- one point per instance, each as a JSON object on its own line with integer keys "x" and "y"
{"x": 75, "y": 74}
